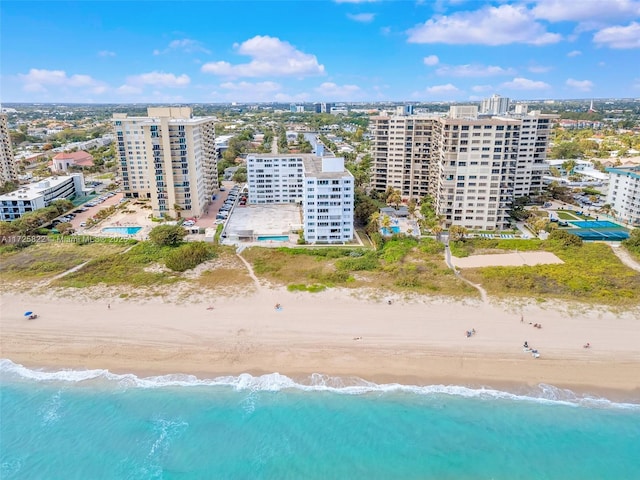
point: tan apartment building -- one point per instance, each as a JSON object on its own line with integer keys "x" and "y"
{"x": 8, "y": 169}
{"x": 169, "y": 157}
{"x": 473, "y": 167}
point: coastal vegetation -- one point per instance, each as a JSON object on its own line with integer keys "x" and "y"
{"x": 591, "y": 272}
{"x": 632, "y": 244}
{"x": 401, "y": 264}
{"x": 41, "y": 261}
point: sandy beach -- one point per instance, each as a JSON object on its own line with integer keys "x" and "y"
{"x": 411, "y": 341}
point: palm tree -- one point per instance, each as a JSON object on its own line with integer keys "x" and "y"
{"x": 411, "y": 208}
{"x": 394, "y": 199}
{"x": 386, "y": 222}
{"x": 374, "y": 219}
{"x": 568, "y": 166}
{"x": 457, "y": 232}
{"x": 607, "y": 209}
{"x": 437, "y": 231}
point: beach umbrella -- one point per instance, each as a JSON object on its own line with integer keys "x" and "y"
{"x": 28, "y": 314}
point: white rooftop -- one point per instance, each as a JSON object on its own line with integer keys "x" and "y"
{"x": 34, "y": 190}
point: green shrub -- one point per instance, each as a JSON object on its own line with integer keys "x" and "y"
{"x": 301, "y": 287}
{"x": 167, "y": 235}
{"x": 633, "y": 242}
{"x": 368, "y": 262}
{"x": 189, "y": 256}
{"x": 430, "y": 246}
{"x": 397, "y": 248}
{"x": 564, "y": 238}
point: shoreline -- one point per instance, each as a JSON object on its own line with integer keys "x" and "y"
{"x": 411, "y": 342}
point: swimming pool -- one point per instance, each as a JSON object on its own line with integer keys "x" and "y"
{"x": 394, "y": 230}
{"x": 122, "y": 230}
{"x": 273, "y": 238}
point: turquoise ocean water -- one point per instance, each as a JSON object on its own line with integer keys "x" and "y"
{"x": 97, "y": 425}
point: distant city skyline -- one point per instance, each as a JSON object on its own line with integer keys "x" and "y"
{"x": 335, "y": 51}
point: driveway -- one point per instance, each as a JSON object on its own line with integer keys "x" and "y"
{"x": 84, "y": 216}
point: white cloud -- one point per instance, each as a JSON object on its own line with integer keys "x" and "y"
{"x": 106, "y": 53}
{"x": 159, "y": 79}
{"x": 500, "y": 25}
{"x": 362, "y": 17}
{"x": 586, "y": 11}
{"x": 186, "y": 45}
{"x": 258, "y": 87}
{"x": 128, "y": 90}
{"x": 431, "y": 60}
{"x": 385, "y": 31}
{"x": 37, "y": 80}
{"x": 520, "y": 83}
{"x": 270, "y": 57}
{"x": 538, "y": 69}
{"x": 582, "y": 85}
{"x": 574, "y": 53}
{"x": 619, "y": 36}
{"x": 438, "y": 92}
{"x": 473, "y": 70}
{"x": 334, "y": 91}
{"x": 482, "y": 88}
{"x": 438, "y": 89}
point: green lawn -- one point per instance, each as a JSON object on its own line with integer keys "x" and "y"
{"x": 565, "y": 215}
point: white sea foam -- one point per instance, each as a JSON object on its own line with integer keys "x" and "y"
{"x": 50, "y": 411}
{"x": 275, "y": 382}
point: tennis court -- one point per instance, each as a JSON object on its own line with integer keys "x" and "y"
{"x": 599, "y": 230}
{"x": 596, "y": 224}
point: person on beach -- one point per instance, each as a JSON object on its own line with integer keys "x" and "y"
{"x": 108, "y": 306}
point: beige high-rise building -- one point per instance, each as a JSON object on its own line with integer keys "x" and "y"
{"x": 168, "y": 157}
{"x": 401, "y": 153}
{"x": 8, "y": 169}
{"x": 472, "y": 167}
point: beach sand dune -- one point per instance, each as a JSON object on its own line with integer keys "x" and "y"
{"x": 418, "y": 341}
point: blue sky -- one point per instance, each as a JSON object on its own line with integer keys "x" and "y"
{"x": 306, "y": 51}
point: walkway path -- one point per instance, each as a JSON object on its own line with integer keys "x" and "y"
{"x": 248, "y": 265}
{"x": 625, "y": 258}
{"x": 447, "y": 258}
{"x": 75, "y": 269}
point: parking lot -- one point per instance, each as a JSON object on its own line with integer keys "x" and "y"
{"x": 248, "y": 223}
{"x": 80, "y": 217}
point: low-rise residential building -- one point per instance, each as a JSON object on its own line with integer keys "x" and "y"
{"x": 624, "y": 193}
{"x": 63, "y": 161}
{"x": 39, "y": 195}
{"x": 322, "y": 185}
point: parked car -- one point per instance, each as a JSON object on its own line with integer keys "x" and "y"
{"x": 83, "y": 224}
{"x": 222, "y": 189}
{"x": 563, "y": 223}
